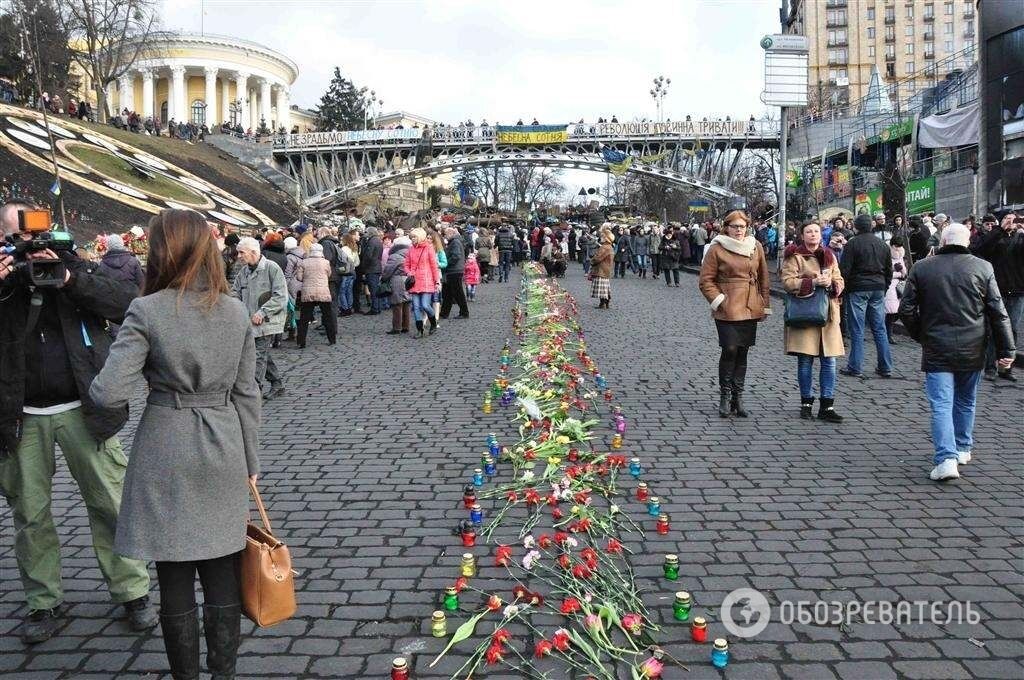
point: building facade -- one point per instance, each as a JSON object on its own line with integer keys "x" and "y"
{"x": 902, "y": 38}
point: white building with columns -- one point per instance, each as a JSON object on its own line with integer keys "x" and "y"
{"x": 210, "y": 79}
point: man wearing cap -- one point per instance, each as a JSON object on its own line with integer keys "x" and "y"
{"x": 867, "y": 269}
{"x": 881, "y": 230}
{"x": 950, "y": 298}
{"x": 939, "y": 223}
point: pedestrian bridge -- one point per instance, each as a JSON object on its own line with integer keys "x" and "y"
{"x": 333, "y": 166}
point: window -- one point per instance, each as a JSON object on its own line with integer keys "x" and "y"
{"x": 890, "y": 52}
{"x": 910, "y": 68}
{"x": 198, "y": 112}
{"x": 871, "y": 51}
{"x": 949, "y": 45}
{"x": 912, "y": 85}
{"x": 890, "y": 32}
{"x": 968, "y": 8}
{"x": 948, "y": 30}
{"x": 890, "y": 70}
{"x": 910, "y": 11}
{"x": 837, "y": 56}
{"x": 871, "y": 13}
{"x": 929, "y": 11}
{"x": 909, "y": 48}
{"x": 949, "y": 9}
{"x": 835, "y": 17}
{"x": 909, "y": 31}
{"x": 843, "y": 73}
{"x": 837, "y": 36}
{"x": 890, "y": 15}
{"x": 871, "y": 32}
{"x": 235, "y": 112}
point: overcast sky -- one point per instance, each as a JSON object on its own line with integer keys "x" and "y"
{"x": 558, "y": 60}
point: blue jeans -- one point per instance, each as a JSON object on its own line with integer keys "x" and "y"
{"x": 952, "y": 397}
{"x": 1015, "y": 310}
{"x": 505, "y": 264}
{"x": 641, "y": 261}
{"x": 826, "y": 376}
{"x": 868, "y": 305}
{"x": 345, "y": 293}
{"x": 372, "y": 282}
{"x": 422, "y": 305}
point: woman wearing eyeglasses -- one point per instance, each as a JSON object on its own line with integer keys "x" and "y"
{"x": 734, "y": 279}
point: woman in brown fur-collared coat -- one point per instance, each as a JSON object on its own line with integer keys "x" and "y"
{"x": 601, "y": 270}
{"x": 734, "y": 279}
{"x": 807, "y": 266}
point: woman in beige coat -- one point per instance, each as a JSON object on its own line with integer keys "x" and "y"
{"x": 734, "y": 279}
{"x": 805, "y": 267}
{"x": 315, "y": 274}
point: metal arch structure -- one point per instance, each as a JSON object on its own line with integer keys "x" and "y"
{"x": 330, "y": 167}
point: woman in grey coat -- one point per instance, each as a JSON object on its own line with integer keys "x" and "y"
{"x": 185, "y": 502}
{"x": 394, "y": 271}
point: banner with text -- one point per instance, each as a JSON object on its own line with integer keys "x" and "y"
{"x": 921, "y": 196}
{"x": 531, "y": 134}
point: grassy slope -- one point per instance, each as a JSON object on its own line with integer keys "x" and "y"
{"x": 202, "y": 160}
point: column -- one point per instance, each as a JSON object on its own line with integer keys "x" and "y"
{"x": 264, "y": 103}
{"x": 147, "y": 94}
{"x": 284, "y": 118}
{"x": 180, "y": 106}
{"x": 126, "y": 96}
{"x": 211, "y": 96}
{"x": 242, "y": 96}
{"x": 225, "y": 97}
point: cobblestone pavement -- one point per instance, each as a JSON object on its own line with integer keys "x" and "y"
{"x": 365, "y": 458}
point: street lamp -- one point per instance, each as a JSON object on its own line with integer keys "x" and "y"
{"x": 370, "y": 104}
{"x": 658, "y": 93}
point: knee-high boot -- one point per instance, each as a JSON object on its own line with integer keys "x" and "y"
{"x": 181, "y": 641}
{"x": 726, "y": 365}
{"x": 739, "y": 377}
{"x": 222, "y": 627}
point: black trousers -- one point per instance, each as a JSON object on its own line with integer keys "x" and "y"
{"x": 673, "y": 272}
{"x": 177, "y": 580}
{"x": 453, "y": 292}
{"x": 328, "y": 314}
{"x": 620, "y": 268}
{"x": 655, "y": 263}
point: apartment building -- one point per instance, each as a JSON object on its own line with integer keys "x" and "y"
{"x": 904, "y": 39}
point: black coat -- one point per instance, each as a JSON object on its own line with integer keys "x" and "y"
{"x": 671, "y": 253}
{"x": 918, "y": 241}
{"x": 949, "y": 300}
{"x": 82, "y": 306}
{"x": 1006, "y": 254}
{"x": 505, "y": 240}
{"x": 275, "y": 253}
{"x": 455, "y": 251}
{"x": 369, "y": 256}
{"x": 866, "y": 264}
{"x": 121, "y": 265}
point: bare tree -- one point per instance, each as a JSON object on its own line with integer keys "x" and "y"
{"x": 528, "y": 184}
{"x": 107, "y": 37}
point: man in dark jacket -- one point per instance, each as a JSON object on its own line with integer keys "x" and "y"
{"x": 452, "y": 289}
{"x": 949, "y": 300}
{"x": 120, "y": 265}
{"x": 369, "y": 263}
{"x": 867, "y": 270}
{"x": 505, "y": 241}
{"x": 1003, "y": 247}
{"x": 54, "y": 343}
{"x": 918, "y": 239}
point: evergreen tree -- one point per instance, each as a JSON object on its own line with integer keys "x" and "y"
{"x": 52, "y": 42}
{"x": 341, "y": 107}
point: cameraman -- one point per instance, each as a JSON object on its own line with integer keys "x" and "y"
{"x": 50, "y": 356}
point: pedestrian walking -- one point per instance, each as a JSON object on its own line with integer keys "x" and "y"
{"x": 949, "y": 300}
{"x": 1003, "y": 248}
{"x": 623, "y": 254}
{"x": 423, "y": 279}
{"x": 810, "y": 269}
{"x": 369, "y": 263}
{"x": 484, "y": 246}
{"x": 186, "y": 502}
{"x": 895, "y": 290}
{"x": 601, "y": 270}
{"x": 670, "y": 256}
{"x": 394, "y": 272}
{"x": 315, "y": 276}
{"x": 506, "y": 244}
{"x": 472, "y": 276}
{"x": 735, "y": 281}
{"x": 261, "y": 287}
{"x": 866, "y": 268}
{"x": 350, "y": 264}
{"x": 453, "y": 290}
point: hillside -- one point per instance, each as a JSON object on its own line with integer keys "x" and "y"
{"x": 117, "y": 184}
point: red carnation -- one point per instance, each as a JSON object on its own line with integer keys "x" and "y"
{"x": 614, "y": 547}
{"x": 519, "y": 591}
{"x": 560, "y": 640}
{"x": 494, "y": 603}
{"x": 501, "y": 636}
{"x": 544, "y": 541}
{"x": 542, "y": 649}
{"x": 494, "y": 654}
{"x": 503, "y": 556}
{"x": 460, "y": 583}
{"x": 570, "y": 605}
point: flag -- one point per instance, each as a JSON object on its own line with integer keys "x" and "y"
{"x": 55, "y": 187}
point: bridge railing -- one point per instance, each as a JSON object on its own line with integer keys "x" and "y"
{"x": 702, "y": 129}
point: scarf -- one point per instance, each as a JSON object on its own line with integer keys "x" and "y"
{"x": 746, "y": 247}
{"x": 825, "y": 257}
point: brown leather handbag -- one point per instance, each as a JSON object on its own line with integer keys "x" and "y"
{"x": 268, "y": 589}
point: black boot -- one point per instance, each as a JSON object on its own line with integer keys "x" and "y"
{"x": 739, "y": 377}
{"x": 737, "y": 402}
{"x": 806, "y": 406}
{"x": 181, "y": 640}
{"x": 433, "y": 324}
{"x": 419, "y": 329}
{"x": 826, "y": 412}
{"x": 222, "y": 627}
{"x": 723, "y": 402}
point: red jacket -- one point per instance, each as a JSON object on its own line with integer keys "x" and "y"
{"x": 421, "y": 262}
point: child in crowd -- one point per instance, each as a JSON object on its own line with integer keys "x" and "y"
{"x": 472, "y": 275}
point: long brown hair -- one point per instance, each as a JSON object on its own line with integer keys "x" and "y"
{"x": 183, "y": 255}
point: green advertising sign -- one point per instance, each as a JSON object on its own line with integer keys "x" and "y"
{"x": 899, "y": 130}
{"x": 920, "y": 196}
{"x": 867, "y": 202}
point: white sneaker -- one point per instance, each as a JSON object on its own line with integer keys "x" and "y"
{"x": 963, "y": 457}
{"x": 945, "y": 470}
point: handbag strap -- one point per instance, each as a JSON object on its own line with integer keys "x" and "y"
{"x": 259, "y": 506}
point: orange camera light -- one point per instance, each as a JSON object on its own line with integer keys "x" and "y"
{"x": 34, "y": 221}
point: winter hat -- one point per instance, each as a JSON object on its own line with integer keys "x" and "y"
{"x": 863, "y": 222}
{"x": 231, "y": 240}
{"x": 940, "y": 218}
{"x": 316, "y": 250}
{"x": 955, "y": 234}
{"x": 290, "y": 243}
{"x": 115, "y": 242}
{"x": 401, "y": 241}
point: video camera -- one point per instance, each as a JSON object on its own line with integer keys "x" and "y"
{"x": 42, "y": 273}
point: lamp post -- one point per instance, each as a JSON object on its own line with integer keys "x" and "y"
{"x": 370, "y": 104}
{"x": 658, "y": 93}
